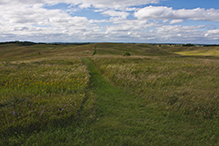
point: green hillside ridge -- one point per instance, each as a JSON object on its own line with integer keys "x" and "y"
{"x": 133, "y": 49}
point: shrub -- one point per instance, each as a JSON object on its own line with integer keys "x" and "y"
{"x": 127, "y": 54}
{"x": 187, "y": 45}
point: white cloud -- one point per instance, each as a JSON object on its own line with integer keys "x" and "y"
{"x": 85, "y": 5}
{"x": 30, "y": 20}
{"x": 113, "y": 4}
{"x": 181, "y": 34}
{"x": 132, "y": 9}
{"x": 130, "y": 25}
{"x": 34, "y": 20}
{"x": 176, "y": 21}
{"x": 214, "y": 31}
{"x": 212, "y": 34}
{"x": 115, "y": 13}
{"x": 170, "y": 29}
{"x": 162, "y": 12}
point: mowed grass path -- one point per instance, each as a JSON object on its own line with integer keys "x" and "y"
{"x": 124, "y": 119}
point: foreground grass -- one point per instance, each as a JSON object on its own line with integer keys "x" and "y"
{"x": 38, "y": 95}
{"x": 125, "y": 119}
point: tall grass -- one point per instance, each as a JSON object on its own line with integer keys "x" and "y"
{"x": 43, "y": 93}
{"x": 186, "y": 85}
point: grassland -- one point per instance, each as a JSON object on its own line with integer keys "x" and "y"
{"x": 185, "y": 85}
{"x": 91, "y": 94}
{"x": 193, "y": 50}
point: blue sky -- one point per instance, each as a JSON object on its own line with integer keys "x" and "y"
{"x": 191, "y": 4}
{"x": 141, "y": 21}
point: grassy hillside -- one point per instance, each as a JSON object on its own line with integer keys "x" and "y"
{"x": 133, "y": 49}
{"x": 91, "y": 94}
{"x": 205, "y": 51}
{"x": 18, "y": 52}
{"x": 193, "y": 50}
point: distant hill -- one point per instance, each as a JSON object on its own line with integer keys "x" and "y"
{"x": 133, "y": 49}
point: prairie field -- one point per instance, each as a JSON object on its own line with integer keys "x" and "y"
{"x": 109, "y": 94}
{"x": 185, "y": 85}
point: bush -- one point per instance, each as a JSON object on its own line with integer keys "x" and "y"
{"x": 187, "y": 45}
{"x": 127, "y": 54}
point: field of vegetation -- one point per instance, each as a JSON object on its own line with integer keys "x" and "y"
{"x": 185, "y": 85}
{"x": 108, "y": 94}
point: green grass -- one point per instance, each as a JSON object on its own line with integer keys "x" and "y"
{"x": 16, "y": 52}
{"x": 153, "y": 97}
{"x": 193, "y": 50}
{"x": 204, "y": 52}
{"x": 187, "y": 85}
{"x": 43, "y": 94}
{"x": 133, "y": 49}
{"x": 125, "y": 119}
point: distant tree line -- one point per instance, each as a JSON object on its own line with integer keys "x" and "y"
{"x": 28, "y": 43}
{"x": 210, "y": 45}
{"x": 25, "y": 43}
{"x": 187, "y": 45}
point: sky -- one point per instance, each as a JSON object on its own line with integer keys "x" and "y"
{"x": 137, "y": 21}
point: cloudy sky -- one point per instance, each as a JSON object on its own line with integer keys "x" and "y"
{"x": 143, "y": 21}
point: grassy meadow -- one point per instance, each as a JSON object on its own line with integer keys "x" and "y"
{"x": 187, "y": 85}
{"x": 96, "y": 94}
